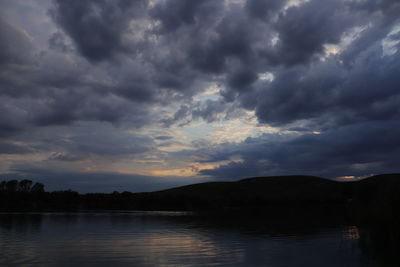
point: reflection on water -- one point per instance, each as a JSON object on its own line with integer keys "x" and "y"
{"x": 351, "y": 232}
{"x": 170, "y": 239}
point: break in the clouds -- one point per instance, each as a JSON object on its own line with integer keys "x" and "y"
{"x": 186, "y": 90}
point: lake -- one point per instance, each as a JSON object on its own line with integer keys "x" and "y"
{"x": 185, "y": 239}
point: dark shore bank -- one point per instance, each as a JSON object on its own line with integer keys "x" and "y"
{"x": 376, "y": 198}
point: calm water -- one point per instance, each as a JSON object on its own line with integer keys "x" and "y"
{"x": 179, "y": 239}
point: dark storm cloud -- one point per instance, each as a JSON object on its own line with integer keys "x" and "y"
{"x": 231, "y": 40}
{"x": 304, "y": 29}
{"x": 177, "y": 13}
{"x": 57, "y": 42}
{"x": 10, "y": 148}
{"x": 64, "y": 108}
{"x": 242, "y": 78}
{"x": 69, "y": 157}
{"x": 203, "y": 33}
{"x": 97, "y": 27}
{"x": 207, "y": 41}
{"x": 7, "y": 129}
{"x": 371, "y": 6}
{"x": 356, "y": 108}
{"x": 137, "y": 88}
{"x": 14, "y": 44}
{"x": 208, "y": 110}
{"x": 89, "y": 142}
{"x": 43, "y": 89}
{"x": 229, "y": 34}
{"x": 366, "y": 91}
{"x": 12, "y": 119}
{"x": 264, "y": 9}
{"x": 358, "y": 149}
{"x": 110, "y": 143}
{"x": 328, "y": 66}
{"x": 15, "y": 58}
{"x": 182, "y": 115}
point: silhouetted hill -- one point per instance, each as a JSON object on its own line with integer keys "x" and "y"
{"x": 253, "y": 192}
{"x": 273, "y": 186}
{"x": 377, "y": 198}
{"x": 288, "y": 187}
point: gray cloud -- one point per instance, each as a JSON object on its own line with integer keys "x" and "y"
{"x": 264, "y": 9}
{"x": 110, "y": 143}
{"x": 97, "y": 27}
{"x": 178, "y": 13}
{"x": 57, "y": 42}
{"x": 132, "y": 64}
{"x": 303, "y": 30}
{"x": 359, "y": 149}
{"x": 10, "y": 148}
{"x": 366, "y": 91}
{"x": 88, "y": 142}
{"x": 14, "y": 45}
{"x": 225, "y": 45}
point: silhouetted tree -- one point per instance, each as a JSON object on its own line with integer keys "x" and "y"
{"x": 37, "y": 188}
{"x": 24, "y": 185}
{"x": 3, "y": 186}
{"x": 11, "y": 186}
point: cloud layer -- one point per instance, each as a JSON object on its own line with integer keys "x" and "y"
{"x": 87, "y": 82}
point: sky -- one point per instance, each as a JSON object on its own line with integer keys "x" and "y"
{"x": 142, "y": 95}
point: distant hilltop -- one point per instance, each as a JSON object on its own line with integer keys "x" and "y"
{"x": 280, "y": 190}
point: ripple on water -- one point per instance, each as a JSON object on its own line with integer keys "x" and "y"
{"x": 167, "y": 239}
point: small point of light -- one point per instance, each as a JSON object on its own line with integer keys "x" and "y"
{"x": 346, "y": 177}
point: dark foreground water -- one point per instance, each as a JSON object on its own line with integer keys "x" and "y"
{"x": 180, "y": 239}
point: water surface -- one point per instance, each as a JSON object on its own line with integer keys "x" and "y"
{"x": 180, "y": 239}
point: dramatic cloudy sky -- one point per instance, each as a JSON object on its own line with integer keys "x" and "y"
{"x": 103, "y": 95}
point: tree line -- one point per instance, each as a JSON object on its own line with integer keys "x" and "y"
{"x": 372, "y": 199}
{"x": 25, "y": 186}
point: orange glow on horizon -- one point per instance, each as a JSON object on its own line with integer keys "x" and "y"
{"x": 347, "y": 177}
